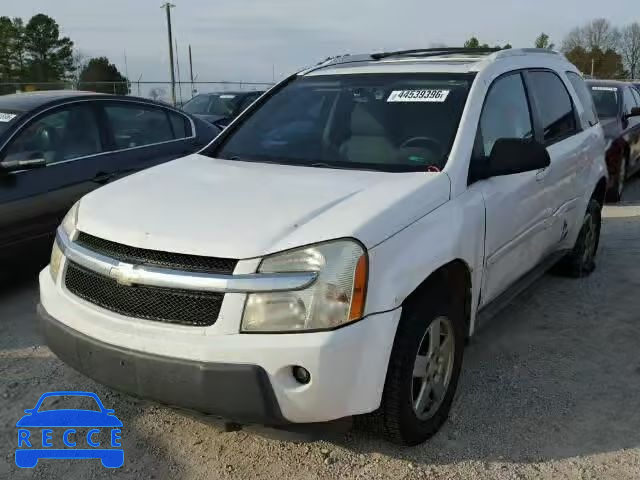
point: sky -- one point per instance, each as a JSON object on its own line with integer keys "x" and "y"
{"x": 251, "y": 40}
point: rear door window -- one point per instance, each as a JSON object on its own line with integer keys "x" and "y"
{"x": 579, "y": 85}
{"x": 555, "y": 108}
{"x": 136, "y": 125}
{"x": 180, "y": 124}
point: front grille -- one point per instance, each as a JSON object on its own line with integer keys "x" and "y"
{"x": 182, "y": 307}
{"x": 157, "y": 258}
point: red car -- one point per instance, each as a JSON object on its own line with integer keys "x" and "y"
{"x": 618, "y": 106}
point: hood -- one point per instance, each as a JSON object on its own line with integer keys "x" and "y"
{"x": 203, "y": 206}
{"x": 611, "y": 126}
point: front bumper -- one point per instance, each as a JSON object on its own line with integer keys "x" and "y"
{"x": 216, "y": 370}
{"x": 236, "y": 392}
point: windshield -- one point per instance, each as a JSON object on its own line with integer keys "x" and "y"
{"x": 5, "y": 120}
{"x": 222, "y": 104}
{"x": 605, "y": 100}
{"x": 392, "y": 122}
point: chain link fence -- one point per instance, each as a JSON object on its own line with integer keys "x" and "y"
{"x": 159, "y": 91}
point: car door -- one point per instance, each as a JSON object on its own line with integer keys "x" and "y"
{"x": 33, "y": 201}
{"x": 516, "y": 206}
{"x": 632, "y": 128}
{"x": 569, "y": 146}
{"x": 142, "y": 135}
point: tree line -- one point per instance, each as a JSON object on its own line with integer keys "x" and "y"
{"x": 35, "y": 52}
{"x": 598, "y": 49}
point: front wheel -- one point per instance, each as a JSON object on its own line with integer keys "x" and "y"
{"x": 581, "y": 261}
{"x": 423, "y": 371}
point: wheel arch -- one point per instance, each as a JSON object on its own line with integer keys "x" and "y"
{"x": 453, "y": 278}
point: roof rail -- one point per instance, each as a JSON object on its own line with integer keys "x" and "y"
{"x": 434, "y": 52}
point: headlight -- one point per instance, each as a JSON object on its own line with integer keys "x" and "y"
{"x": 70, "y": 220}
{"x": 334, "y": 299}
{"x": 56, "y": 259}
{"x": 68, "y": 226}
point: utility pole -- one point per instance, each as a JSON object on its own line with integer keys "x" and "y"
{"x": 593, "y": 64}
{"x": 191, "y": 71}
{"x": 168, "y": 6}
{"x": 179, "y": 77}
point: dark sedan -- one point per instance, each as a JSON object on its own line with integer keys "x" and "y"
{"x": 618, "y": 106}
{"x": 57, "y": 146}
{"x": 221, "y": 107}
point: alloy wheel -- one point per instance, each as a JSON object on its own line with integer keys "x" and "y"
{"x": 432, "y": 368}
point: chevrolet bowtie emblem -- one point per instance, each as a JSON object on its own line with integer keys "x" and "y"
{"x": 123, "y": 274}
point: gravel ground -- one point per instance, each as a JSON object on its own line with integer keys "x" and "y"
{"x": 550, "y": 389}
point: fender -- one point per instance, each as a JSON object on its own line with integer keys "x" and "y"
{"x": 454, "y": 231}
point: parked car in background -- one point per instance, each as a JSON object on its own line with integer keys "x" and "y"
{"x": 618, "y": 106}
{"x": 331, "y": 251}
{"x": 57, "y": 146}
{"x": 221, "y": 107}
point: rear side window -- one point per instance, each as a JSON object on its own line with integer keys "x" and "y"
{"x": 554, "y": 105}
{"x": 505, "y": 114}
{"x": 136, "y": 125}
{"x": 181, "y": 126}
{"x": 585, "y": 97}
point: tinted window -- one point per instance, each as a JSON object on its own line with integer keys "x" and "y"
{"x": 505, "y": 113}
{"x": 628, "y": 100}
{"x": 584, "y": 95}
{"x": 181, "y": 126}
{"x": 554, "y": 105}
{"x": 606, "y": 100}
{"x": 636, "y": 95}
{"x": 138, "y": 125}
{"x": 219, "y": 104}
{"x": 65, "y": 134}
{"x": 387, "y": 122}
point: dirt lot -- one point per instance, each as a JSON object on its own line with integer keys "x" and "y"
{"x": 550, "y": 389}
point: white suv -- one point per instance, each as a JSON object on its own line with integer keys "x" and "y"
{"x": 330, "y": 252}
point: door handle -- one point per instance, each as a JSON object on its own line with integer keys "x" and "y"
{"x": 103, "y": 177}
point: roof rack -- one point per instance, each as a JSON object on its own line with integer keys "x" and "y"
{"x": 434, "y": 52}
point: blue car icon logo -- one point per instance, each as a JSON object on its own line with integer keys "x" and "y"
{"x": 65, "y": 427}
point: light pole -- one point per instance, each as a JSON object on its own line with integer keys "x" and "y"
{"x": 168, "y": 6}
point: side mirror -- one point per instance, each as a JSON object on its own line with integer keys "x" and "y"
{"x": 635, "y": 112}
{"x": 13, "y": 165}
{"x": 510, "y": 156}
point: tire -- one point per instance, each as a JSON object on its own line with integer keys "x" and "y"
{"x": 615, "y": 193}
{"x": 397, "y": 419}
{"x": 580, "y": 262}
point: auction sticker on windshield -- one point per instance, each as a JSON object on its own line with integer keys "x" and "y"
{"x": 418, "y": 96}
{"x": 7, "y": 117}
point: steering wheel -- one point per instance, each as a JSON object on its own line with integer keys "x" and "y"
{"x": 432, "y": 142}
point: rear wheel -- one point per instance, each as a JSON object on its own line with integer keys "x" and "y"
{"x": 423, "y": 371}
{"x": 581, "y": 262}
